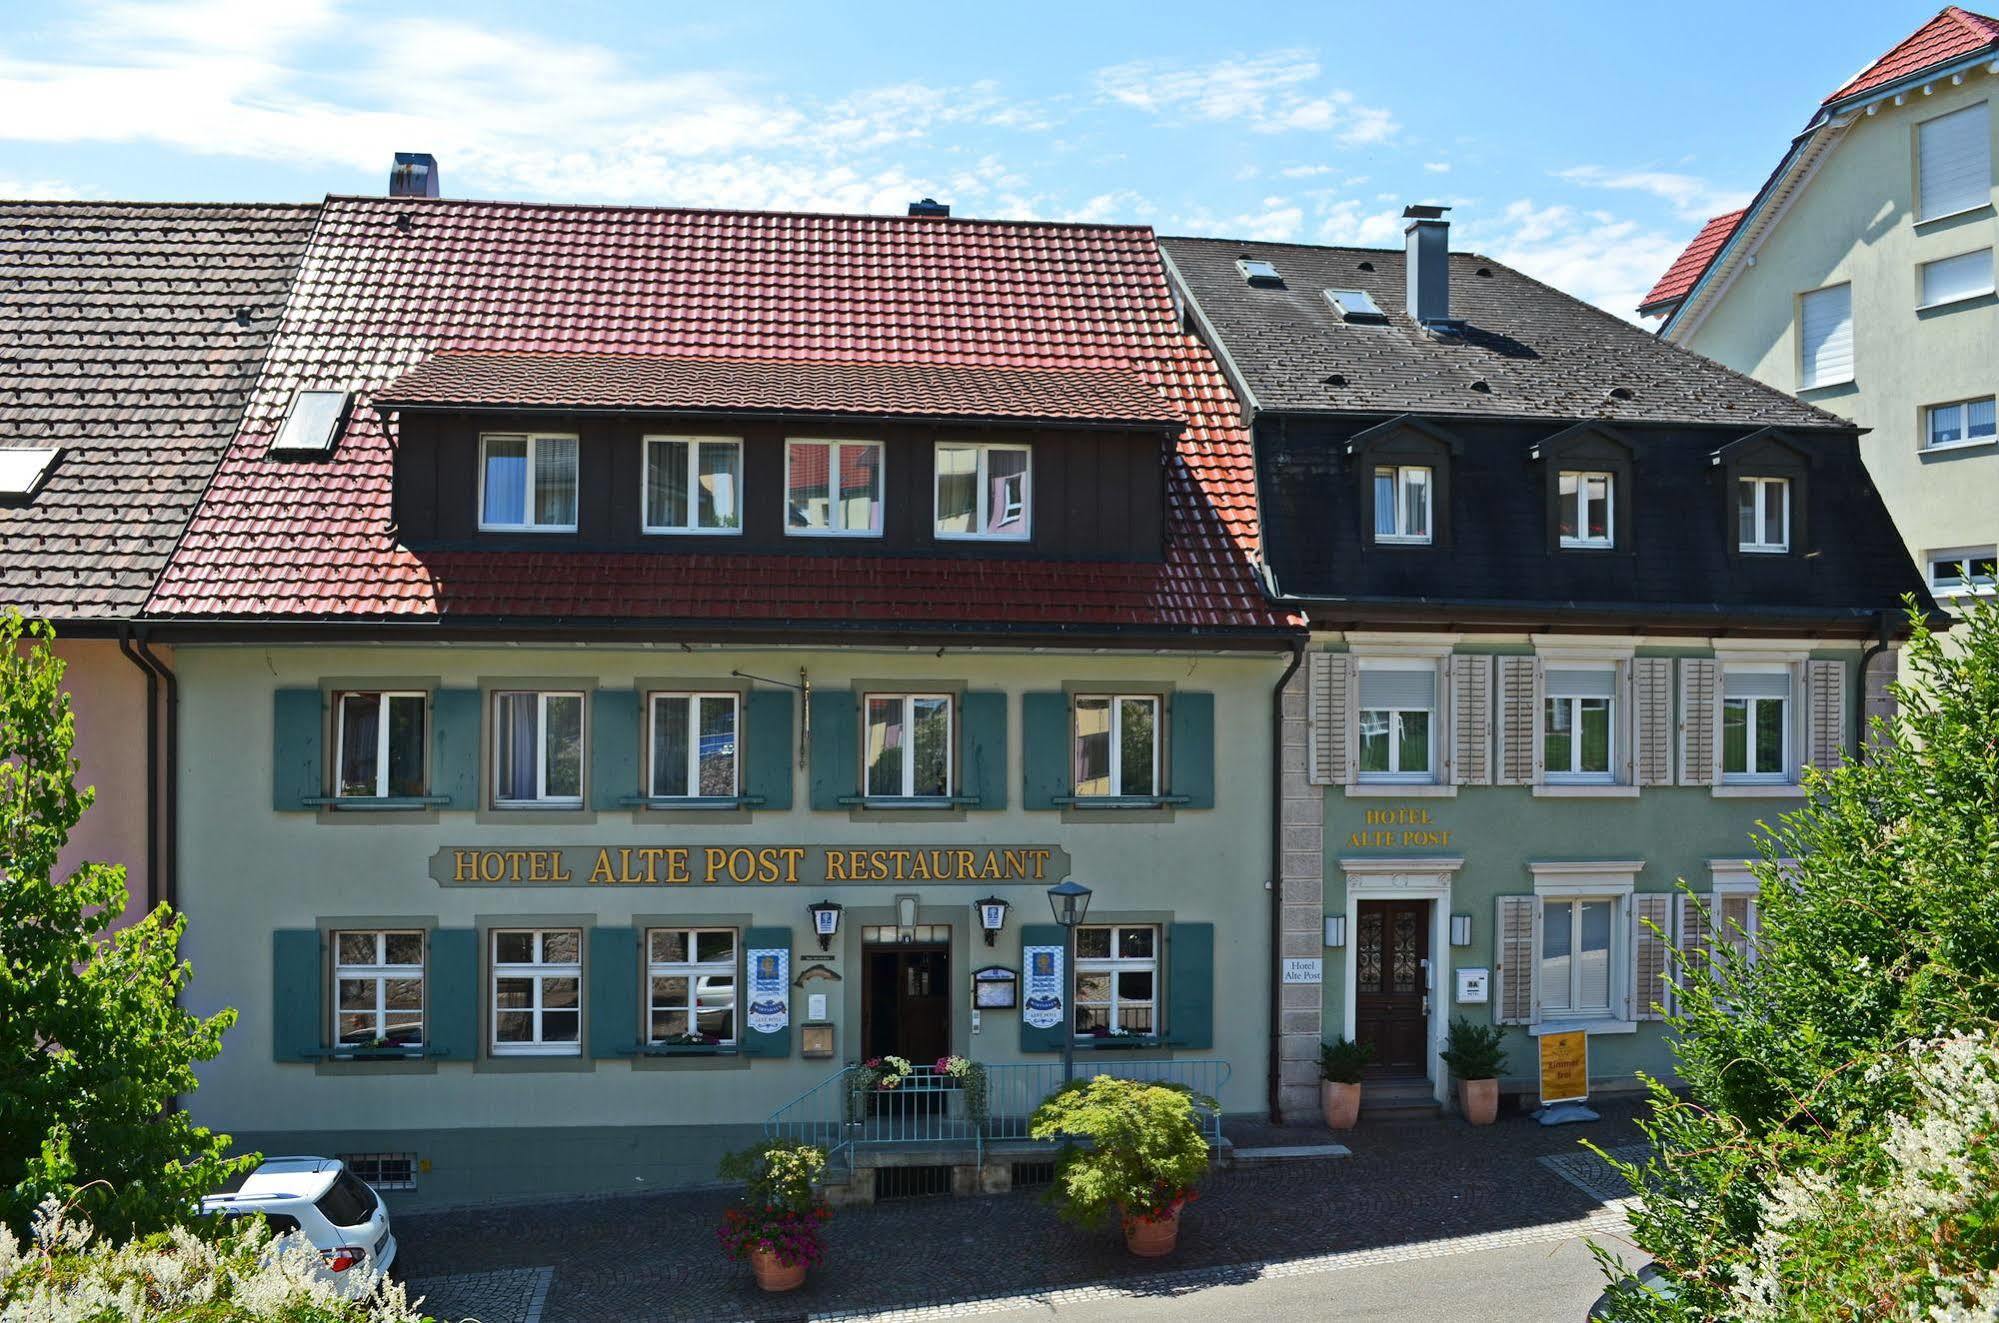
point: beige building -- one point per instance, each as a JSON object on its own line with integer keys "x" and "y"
{"x": 1861, "y": 279}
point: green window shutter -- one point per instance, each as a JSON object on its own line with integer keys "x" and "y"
{"x": 1044, "y": 749}
{"x": 1193, "y": 748}
{"x": 298, "y": 757}
{"x": 614, "y": 992}
{"x": 298, "y": 1004}
{"x": 451, "y": 1002}
{"x": 454, "y": 746}
{"x": 982, "y": 738}
{"x": 614, "y": 748}
{"x": 754, "y": 1044}
{"x": 767, "y": 747}
{"x": 836, "y": 759}
{"x": 1190, "y": 984}
{"x": 1044, "y": 934}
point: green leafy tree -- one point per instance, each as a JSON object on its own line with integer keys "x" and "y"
{"x": 1144, "y": 1154}
{"x": 94, "y": 1047}
{"x": 1809, "y": 1062}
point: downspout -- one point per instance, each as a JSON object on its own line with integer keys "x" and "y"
{"x": 169, "y": 888}
{"x": 1860, "y": 682}
{"x": 1274, "y": 1075}
{"x": 152, "y": 765}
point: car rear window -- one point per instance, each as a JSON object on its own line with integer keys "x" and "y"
{"x": 348, "y": 1203}
{"x": 282, "y": 1224}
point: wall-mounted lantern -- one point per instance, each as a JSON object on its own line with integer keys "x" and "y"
{"x": 825, "y": 921}
{"x": 1461, "y": 930}
{"x": 992, "y": 917}
{"x": 1336, "y": 930}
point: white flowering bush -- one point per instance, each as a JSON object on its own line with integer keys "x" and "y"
{"x": 67, "y": 1274}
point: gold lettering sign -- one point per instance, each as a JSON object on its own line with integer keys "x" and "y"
{"x": 744, "y": 865}
{"x": 1404, "y": 827}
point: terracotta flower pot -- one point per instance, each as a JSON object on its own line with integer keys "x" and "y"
{"x": 1340, "y": 1103}
{"x": 1479, "y": 1100}
{"x": 1152, "y": 1239}
{"x": 775, "y": 1276}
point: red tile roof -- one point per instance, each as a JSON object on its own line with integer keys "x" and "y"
{"x": 1692, "y": 263}
{"x": 1104, "y": 396}
{"x": 388, "y": 283}
{"x": 1951, "y": 35}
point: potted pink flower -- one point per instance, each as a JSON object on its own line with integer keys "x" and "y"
{"x": 777, "y": 1225}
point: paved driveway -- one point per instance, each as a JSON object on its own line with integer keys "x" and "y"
{"x": 1435, "y": 1191}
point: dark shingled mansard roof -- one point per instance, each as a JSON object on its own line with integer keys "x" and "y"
{"x": 1526, "y": 350}
{"x": 130, "y": 338}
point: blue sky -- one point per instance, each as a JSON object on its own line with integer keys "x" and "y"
{"x": 1582, "y": 142}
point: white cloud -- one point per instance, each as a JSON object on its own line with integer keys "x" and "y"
{"x": 1437, "y": 167}
{"x": 1276, "y": 92}
{"x": 1349, "y": 222}
{"x": 1691, "y": 196}
{"x": 1604, "y": 259}
{"x": 42, "y": 190}
{"x": 1305, "y": 171}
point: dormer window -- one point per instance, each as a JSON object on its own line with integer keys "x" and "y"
{"x": 1585, "y": 508}
{"x": 527, "y": 484}
{"x": 693, "y": 484}
{"x": 982, "y": 491}
{"x": 833, "y": 488}
{"x": 1763, "y": 514}
{"x": 1402, "y": 503}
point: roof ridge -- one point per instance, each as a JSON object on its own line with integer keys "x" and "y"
{"x": 1122, "y": 364}
{"x": 137, "y": 204}
{"x": 658, "y": 208}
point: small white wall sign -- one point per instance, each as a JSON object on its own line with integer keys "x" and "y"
{"x": 815, "y": 1006}
{"x": 1474, "y": 986}
{"x": 1297, "y": 970}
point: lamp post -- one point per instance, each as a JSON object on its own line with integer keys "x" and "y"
{"x": 1070, "y": 900}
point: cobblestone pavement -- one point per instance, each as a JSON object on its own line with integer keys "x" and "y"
{"x": 508, "y": 1295}
{"x": 1592, "y": 1175}
{"x": 1408, "y": 1184}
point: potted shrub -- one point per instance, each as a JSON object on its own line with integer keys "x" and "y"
{"x": 1340, "y": 1065}
{"x": 1475, "y": 1055}
{"x": 1141, "y": 1157}
{"x": 777, "y": 1226}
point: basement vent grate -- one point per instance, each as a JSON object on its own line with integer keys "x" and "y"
{"x": 1032, "y": 1175}
{"x": 911, "y": 1182}
{"x": 384, "y": 1171}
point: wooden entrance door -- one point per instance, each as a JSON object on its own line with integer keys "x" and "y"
{"x": 906, "y": 1002}
{"x": 1391, "y": 1010}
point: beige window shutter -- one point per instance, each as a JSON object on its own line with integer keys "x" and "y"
{"x": 1879, "y": 700}
{"x": 1517, "y": 721}
{"x": 1329, "y": 689}
{"x": 1471, "y": 703}
{"x": 1694, "y": 930}
{"x": 1648, "y": 953}
{"x": 1700, "y": 714}
{"x": 1513, "y": 970}
{"x": 1825, "y": 710}
{"x": 1652, "y": 720}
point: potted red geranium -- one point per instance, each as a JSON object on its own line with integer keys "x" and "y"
{"x": 777, "y": 1226}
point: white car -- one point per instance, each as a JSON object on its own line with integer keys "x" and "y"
{"x": 337, "y": 1212}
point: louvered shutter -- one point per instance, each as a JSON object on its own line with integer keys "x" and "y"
{"x": 1825, "y": 710}
{"x": 1328, "y": 710}
{"x": 1700, "y": 679}
{"x": 1648, "y": 953}
{"x": 1652, "y": 720}
{"x": 1471, "y": 704}
{"x": 1695, "y": 935}
{"x": 1825, "y": 337}
{"x": 1513, "y": 969}
{"x": 1954, "y": 163}
{"x": 1516, "y": 721}
{"x": 1880, "y": 697}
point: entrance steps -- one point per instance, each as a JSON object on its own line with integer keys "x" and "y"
{"x": 1398, "y": 1100}
{"x": 856, "y": 1176}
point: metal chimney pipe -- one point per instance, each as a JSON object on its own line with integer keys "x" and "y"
{"x": 1427, "y": 238}
{"x": 413, "y": 176}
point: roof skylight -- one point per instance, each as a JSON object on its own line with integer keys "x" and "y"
{"x": 312, "y": 423}
{"x": 1257, "y": 271}
{"x": 22, "y": 469}
{"x": 1355, "y": 305}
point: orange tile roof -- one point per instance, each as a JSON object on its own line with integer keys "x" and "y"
{"x": 1951, "y": 35}
{"x": 1692, "y": 263}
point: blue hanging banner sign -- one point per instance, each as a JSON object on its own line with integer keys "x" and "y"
{"x": 770, "y": 989}
{"x": 1041, "y": 1006}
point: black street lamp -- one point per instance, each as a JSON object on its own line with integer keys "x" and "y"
{"x": 1070, "y": 900}
{"x": 992, "y": 917}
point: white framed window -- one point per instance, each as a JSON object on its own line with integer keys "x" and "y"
{"x": 694, "y": 743}
{"x": 908, "y": 746}
{"x": 378, "y": 988}
{"x": 1825, "y": 337}
{"x": 691, "y": 985}
{"x": 1954, "y": 163}
{"x": 693, "y": 484}
{"x": 833, "y": 488}
{"x": 537, "y": 991}
{"x": 1955, "y": 279}
{"x": 380, "y": 744}
{"x": 1579, "y": 725}
{"x": 1961, "y": 423}
{"x": 1763, "y": 514}
{"x": 1117, "y": 745}
{"x": 983, "y": 490}
{"x": 1117, "y": 980}
{"x": 1579, "y": 956}
{"x": 527, "y": 483}
{"x": 1402, "y": 503}
{"x": 538, "y": 748}
{"x": 1398, "y": 722}
{"x": 1956, "y": 571}
{"x": 1585, "y": 508}
{"x": 1756, "y": 725}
